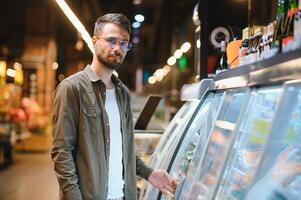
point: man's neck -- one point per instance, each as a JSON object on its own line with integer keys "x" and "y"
{"x": 103, "y": 72}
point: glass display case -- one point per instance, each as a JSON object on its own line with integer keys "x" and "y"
{"x": 279, "y": 174}
{"x": 177, "y": 124}
{"x": 169, "y": 146}
{"x": 251, "y": 137}
{"x": 174, "y": 128}
{"x": 198, "y": 131}
{"x": 205, "y": 104}
{"x": 219, "y": 142}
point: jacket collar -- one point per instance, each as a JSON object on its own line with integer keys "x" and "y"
{"x": 94, "y": 78}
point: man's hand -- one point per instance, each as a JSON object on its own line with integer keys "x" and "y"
{"x": 161, "y": 180}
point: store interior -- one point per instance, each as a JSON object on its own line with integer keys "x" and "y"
{"x": 215, "y": 88}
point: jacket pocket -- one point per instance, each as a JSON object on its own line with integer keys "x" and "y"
{"x": 91, "y": 112}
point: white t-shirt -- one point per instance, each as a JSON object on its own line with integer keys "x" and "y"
{"x": 116, "y": 182}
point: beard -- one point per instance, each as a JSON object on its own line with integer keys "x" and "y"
{"x": 110, "y": 64}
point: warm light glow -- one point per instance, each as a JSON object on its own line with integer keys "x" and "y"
{"x": 139, "y": 18}
{"x": 11, "y": 72}
{"x": 178, "y": 53}
{"x": 185, "y": 47}
{"x": 75, "y": 21}
{"x": 61, "y": 77}
{"x": 198, "y": 43}
{"x": 55, "y": 66}
{"x": 159, "y": 73}
{"x": 19, "y": 74}
{"x": 171, "y": 61}
{"x": 137, "y": 2}
{"x": 160, "y": 78}
{"x": 17, "y": 66}
{"x": 152, "y": 80}
{"x": 166, "y": 70}
{"x": 2, "y": 68}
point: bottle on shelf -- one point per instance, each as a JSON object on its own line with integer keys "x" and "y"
{"x": 243, "y": 51}
{"x": 221, "y": 64}
{"x": 288, "y": 41}
{"x": 223, "y": 58}
{"x": 263, "y": 44}
{"x": 271, "y": 50}
{"x": 280, "y": 24}
{"x": 297, "y": 26}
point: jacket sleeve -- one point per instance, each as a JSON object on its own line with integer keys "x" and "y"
{"x": 142, "y": 170}
{"x": 65, "y": 123}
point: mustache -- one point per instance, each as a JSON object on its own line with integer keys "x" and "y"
{"x": 116, "y": 54}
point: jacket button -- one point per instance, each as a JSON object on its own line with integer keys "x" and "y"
{"x": 108, "y": 141}
{"x": 108, "y": 125}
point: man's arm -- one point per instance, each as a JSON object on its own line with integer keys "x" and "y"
{"x": 65, "y": 124}
{"x": 142, "y": 170}
{"x": 158, "y": 178}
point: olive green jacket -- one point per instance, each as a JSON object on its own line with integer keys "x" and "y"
{"x": 81, "y": 143}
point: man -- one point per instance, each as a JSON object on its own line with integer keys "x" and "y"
{"x": 93, "y": 146}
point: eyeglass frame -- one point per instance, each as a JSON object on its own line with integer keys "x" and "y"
{"x": 112, "y": 43}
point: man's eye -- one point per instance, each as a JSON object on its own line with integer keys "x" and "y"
{"x": 112, "y": 40}
{"x": 125, "y": 44}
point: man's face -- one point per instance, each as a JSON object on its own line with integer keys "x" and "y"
{"x": 110, "y": 45}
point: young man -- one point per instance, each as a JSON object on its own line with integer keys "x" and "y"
{"x": 93, "y": 146}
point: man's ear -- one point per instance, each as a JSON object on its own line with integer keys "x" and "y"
{"x": 94, "y": 39}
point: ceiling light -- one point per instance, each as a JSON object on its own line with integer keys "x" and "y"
{"x": 152, "y": 80}
{"x": 166, "y": 70}
{"x": 171, "y": 61}
{"x": 178, "y": 53}
{"x": 136, "y": 24}
{"x": 17, "y": 66}
{"x": 159, "y": 73}
{"x": 198, "y": 43}
{"x": 185, "y": 47}
{"x": 55, "y": 66}
{"x": 139, "y": 18}
{"x": 75, "y": 21}
{"x": 11, "y": 72}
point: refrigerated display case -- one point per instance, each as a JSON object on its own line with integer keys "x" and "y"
{"x": 197, "y": 132}
{"x": 219, "y": 143}
{"x": 279, "y": 174}
{"x": 253, "y": 151}
{"x": 261, "y": 157}
{"x": 179, "y": 121}
{"x": 204, "y": 113}
{"x": 174, "y": 128}
{"x": 251, "y": 137}
{"x": 192, "y": 94}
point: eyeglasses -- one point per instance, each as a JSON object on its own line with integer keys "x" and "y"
{"x": 112, "y": 43}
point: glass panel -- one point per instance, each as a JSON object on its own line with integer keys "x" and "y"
{"x": 219, "y": 143}
{"x": 169, "y": 141}
{"x": 199, "y": 129}
{"x": 282, "y": 178}
{"x": 178, "y": 123}
{"x": 247, "y": 150}
{"x": 171, "y": 150}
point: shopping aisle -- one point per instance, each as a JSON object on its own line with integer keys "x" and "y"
{"x": 31, "y": 177}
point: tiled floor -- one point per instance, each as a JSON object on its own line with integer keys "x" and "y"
{"x": 31, "y": 177}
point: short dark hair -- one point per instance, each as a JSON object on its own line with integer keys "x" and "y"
{"x": 114, "y": 18}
